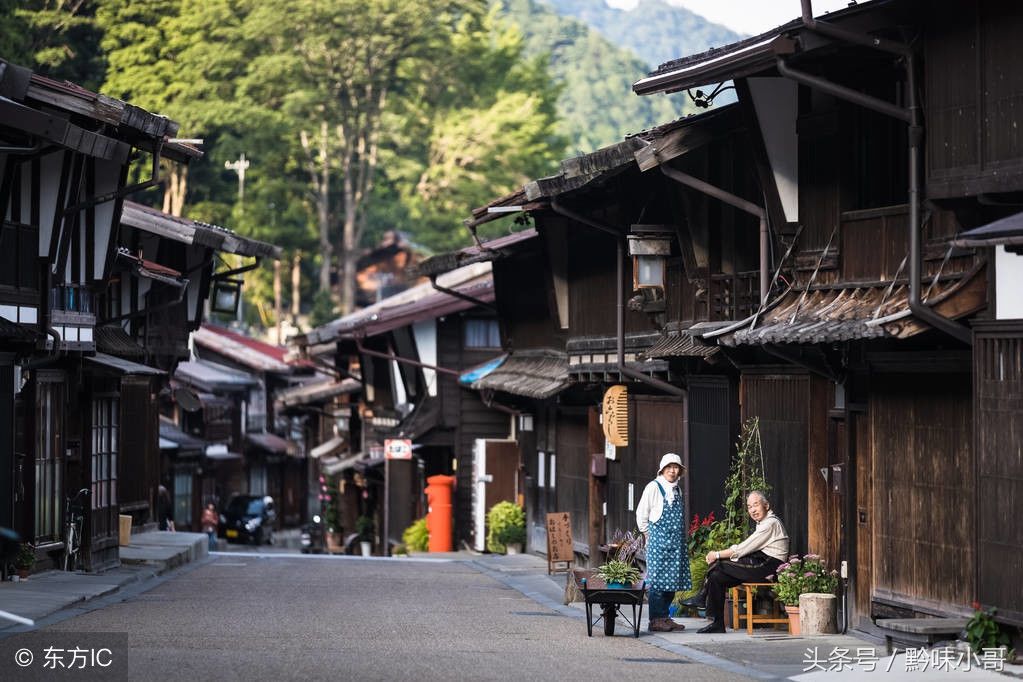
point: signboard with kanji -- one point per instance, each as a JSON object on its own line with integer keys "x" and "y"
{"x": 559, "y": 541}
{"x": 398, "y": 448}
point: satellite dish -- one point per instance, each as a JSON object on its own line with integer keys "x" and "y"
{"x": 187, "y": 399}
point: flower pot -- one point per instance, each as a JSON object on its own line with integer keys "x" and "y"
{"x": 513, "y": 548}
{"x": 793, "y": 613}
{"x": 366, "y": 547}
{"x": 335, "y": 543}
{"x": 618, "y": 586}
{"x": 23, "y": 573}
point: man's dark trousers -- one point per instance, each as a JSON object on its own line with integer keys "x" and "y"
{"x": 726, "y": 573}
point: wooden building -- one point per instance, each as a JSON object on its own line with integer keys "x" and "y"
{"x": 408, "y": 351}
{"x": 69, "y": 414}
{"x": 871, "y": 362}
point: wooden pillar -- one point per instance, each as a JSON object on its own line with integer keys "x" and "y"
{"x": 597, "y": 481}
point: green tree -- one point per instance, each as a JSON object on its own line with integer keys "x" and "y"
{"x": 488, "y": 130}
{"x": 58, "y": 38}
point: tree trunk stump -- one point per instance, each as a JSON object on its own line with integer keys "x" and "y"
{"x": 818, "y": 613}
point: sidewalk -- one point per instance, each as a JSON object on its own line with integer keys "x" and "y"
{"x": 148, "y": 555}
{"x": 769, "y": 656}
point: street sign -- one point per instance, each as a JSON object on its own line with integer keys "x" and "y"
{"x": 398, "y": 448}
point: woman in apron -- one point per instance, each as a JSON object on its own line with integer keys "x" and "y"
{"x": 661, "y": 518}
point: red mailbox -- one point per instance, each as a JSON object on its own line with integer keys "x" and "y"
{"x": 438, "y": 514}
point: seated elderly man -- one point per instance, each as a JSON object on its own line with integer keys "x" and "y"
{"x": 751, "y": 561}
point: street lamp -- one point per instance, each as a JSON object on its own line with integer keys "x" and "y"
{"x": 649, "y": 246}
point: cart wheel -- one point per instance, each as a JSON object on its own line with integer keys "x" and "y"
{"x": 610, "y": 613}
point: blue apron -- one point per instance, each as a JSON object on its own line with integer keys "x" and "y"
{"x": 667, "y": 561}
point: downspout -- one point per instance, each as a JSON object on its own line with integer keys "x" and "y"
{"x": 911, "y": 116}
{"x": 620, "y": 246}
{"x": 460, "y": 295}
{"x": 407, "y": 361}
{"x": 737, "y": 202}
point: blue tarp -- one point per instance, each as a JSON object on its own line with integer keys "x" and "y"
{"x": 480, "y": 371}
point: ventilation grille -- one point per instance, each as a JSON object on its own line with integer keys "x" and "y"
{"x": 616, "y": 416}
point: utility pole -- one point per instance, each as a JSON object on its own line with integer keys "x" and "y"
{"x": 239, "y": 167}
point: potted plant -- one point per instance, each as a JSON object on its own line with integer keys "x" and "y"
{"x": 505, "y": 522}
{"x": 618, "y": 574}
{"x": 364, "y": 526}
{"x": 513, "y": 538}
{"x": 25, "y": 560}
{"x": 802, "y": 575}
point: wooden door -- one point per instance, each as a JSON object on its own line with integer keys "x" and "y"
{"x": 495, "y": 472}
{"x": 862, "y": 576}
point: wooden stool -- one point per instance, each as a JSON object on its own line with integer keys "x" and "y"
{"x": 775, "y": 618}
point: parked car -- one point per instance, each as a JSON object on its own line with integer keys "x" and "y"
{"x": 249, "y": 518}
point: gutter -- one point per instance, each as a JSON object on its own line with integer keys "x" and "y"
{"x": 735, "y": 201}
{"x": 911, "y": 116}
{"x": 664, "y": 386}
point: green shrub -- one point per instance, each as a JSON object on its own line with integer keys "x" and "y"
{"x": 364, "y": 526}
{"x": 801, "y": 575}
{"x": 416, "y": 537}
{"x": 501, "y": 519}
{"x": 984, "y": 632}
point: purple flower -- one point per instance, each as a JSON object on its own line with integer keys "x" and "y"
{"x": 770, "y": 578}
{"x": 809, "y": 574}
{"x": 812, "y": 556}
{"x": 782, "y": 567}
{"x": 794, "y": 557}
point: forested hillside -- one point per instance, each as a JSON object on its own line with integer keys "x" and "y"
{"x": 597, "y": 106}
{"x": 656, "y": 31}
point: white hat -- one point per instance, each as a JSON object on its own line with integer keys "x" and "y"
{"x": 670, "y": 458}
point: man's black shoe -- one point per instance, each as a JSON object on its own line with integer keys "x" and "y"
{"x": 713, "y": 626}
{"x": 698, "y": 600}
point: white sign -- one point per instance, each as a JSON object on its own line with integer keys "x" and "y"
{"x": 398, "y": 448}
{"x": 609, "y": 450}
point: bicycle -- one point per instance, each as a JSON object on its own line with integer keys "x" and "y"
{"x": 74, "y": 513}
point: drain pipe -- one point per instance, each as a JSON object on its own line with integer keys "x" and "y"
{"x": 625, "y": 371}
{"x": 910, "y": 115}
{"x": 737, "y": 202}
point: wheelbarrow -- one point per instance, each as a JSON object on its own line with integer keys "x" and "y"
{"x": 611, "y": 601}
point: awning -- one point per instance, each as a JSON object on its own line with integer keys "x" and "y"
{"x": 1007, "y": 231}
{"x": 272, "y": 443}
{"x": 317, "y": 392}
{"x": 122, "y": 366}
{"x": 831, "y": 314}
{"x": 222, "y": 455}
{"x": 682, "y": 344}
{"x": 329, "y": 447}
{"x": 488, "y": 251}
{"x": 535, "y": 373}
{"x": 210, "y": 377}
{"x": 186, "y": 444}
{"x": 113, "y": 340}
{"x": 189, "y": 231}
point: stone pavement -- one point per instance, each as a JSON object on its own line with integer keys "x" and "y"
{"x": 148, "y": 555}
{"x": 772, "y": 655}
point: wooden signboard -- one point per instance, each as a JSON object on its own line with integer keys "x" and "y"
{"x": 559, "y": 542}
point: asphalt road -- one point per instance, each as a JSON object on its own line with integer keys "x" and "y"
{"x": 280, "y": 617}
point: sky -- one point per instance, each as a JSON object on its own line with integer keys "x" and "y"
{"x": 745, "y": 16}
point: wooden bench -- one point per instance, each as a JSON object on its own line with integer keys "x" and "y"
{"x": 749, "y": 591}
{"x": 920, "y": 630}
